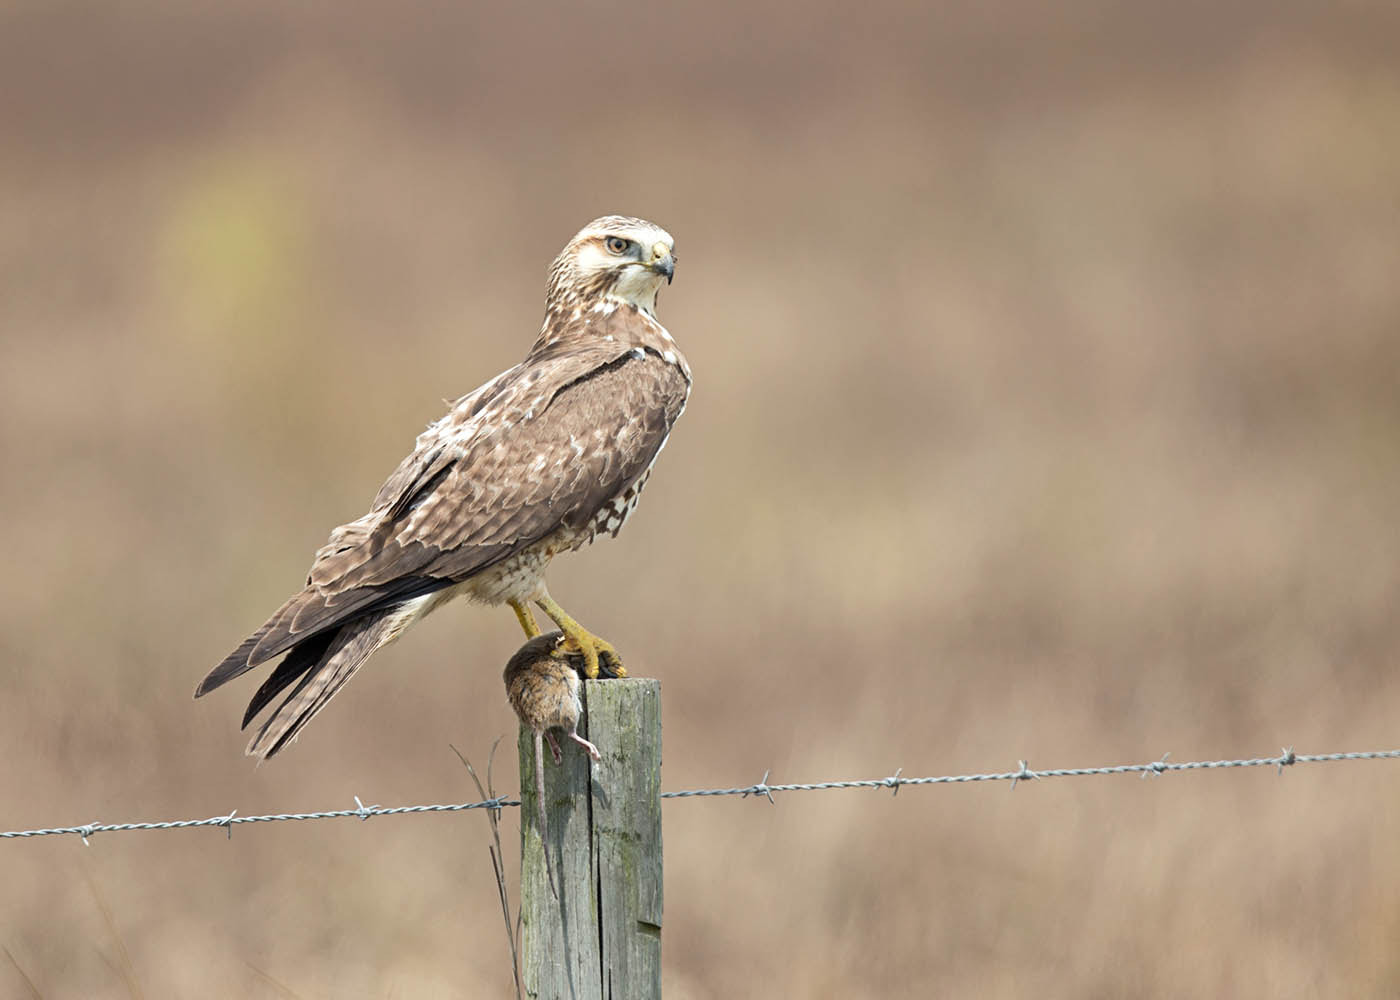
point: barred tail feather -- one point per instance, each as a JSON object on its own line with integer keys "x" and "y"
{"x": 309, "y": 615}
{"x": 237, "y": 663}
{"x": 289, "y": 671}
{"x": 339, "y": 658}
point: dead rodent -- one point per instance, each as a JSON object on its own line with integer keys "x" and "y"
{"x": 544, "y": 688}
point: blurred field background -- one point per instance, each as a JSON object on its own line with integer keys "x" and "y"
{"x": 1047, "y": 406}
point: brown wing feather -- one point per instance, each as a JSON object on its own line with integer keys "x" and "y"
{"x": 597, "y": 437}
{"x": 431, "y": 452}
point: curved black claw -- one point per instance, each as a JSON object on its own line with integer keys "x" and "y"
{"x": 610, "y": 664}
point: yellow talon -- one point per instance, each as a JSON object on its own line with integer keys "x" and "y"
{"x": 599, "y": 655}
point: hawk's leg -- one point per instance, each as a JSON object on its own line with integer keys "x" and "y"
{"x": 597, "y": 653}
{"x": 526, "y": 618}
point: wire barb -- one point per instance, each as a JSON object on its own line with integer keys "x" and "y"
{"x": 1022, "y": 774}
{"x": 1156, "y": 768}
{"x": 759, "y": 789}
{"x": 894, "y": 782}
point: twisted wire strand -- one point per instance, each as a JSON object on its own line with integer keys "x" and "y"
{"x": 896, "y": 781}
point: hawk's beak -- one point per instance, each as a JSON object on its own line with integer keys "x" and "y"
{"x": 663, "y": 262}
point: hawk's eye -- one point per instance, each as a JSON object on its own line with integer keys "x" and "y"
{"x": 617, "y": 245}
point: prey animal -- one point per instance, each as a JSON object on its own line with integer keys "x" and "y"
{"x": 538, "y": 461}
{"x": 543, "y": 685}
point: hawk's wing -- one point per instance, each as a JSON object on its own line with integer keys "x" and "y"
{"x": 541, "y": 447}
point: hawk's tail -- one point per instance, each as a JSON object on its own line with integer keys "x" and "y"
{"x": 310, "y": 615}
{"x": 320, "y": 666}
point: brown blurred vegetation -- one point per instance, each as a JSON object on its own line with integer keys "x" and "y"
{"x": 1047, "y": 406}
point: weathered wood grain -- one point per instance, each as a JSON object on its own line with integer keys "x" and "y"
{"x": 601, "y": 940}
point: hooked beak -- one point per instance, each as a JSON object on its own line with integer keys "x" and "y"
{"x": 663, "y": 261}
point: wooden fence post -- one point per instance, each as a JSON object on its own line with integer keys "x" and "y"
{"x": 601, "y": 939}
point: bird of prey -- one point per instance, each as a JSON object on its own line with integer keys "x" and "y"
{"x": 538, "y": 461}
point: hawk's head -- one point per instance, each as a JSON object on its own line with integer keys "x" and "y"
{"x": 613, "y": 258}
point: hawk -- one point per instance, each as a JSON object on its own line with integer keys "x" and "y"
{"x": 540, "y": 460}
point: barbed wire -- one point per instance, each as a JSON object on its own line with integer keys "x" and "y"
{"x": 894, "y": 782}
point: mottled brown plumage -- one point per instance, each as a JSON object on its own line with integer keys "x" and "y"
{"x": 537, "y": 461}
{"x": 544, "y": 687}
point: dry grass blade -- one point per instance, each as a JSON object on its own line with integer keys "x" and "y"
{"x": 33, "y": 990}
{"x": 493, "y": 816}
{"x": 280, "y": 987}
{"x": 124, "y": 967}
